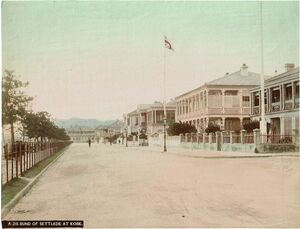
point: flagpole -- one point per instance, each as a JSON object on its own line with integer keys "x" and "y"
{"x": 165, "y": 112}
{"x": 262, "y": 81}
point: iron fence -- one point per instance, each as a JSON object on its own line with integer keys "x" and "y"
{"x": 277, "y": 139}
{"x": 213, "y": 138}
{"x": 188, "y": 137}
{"x": 226, "y": 138}
{"x": 194, "y": 137}
{"x": 236, "y": 138}
{"x": 182, "y": 138}
{"x": 249, "y": 138}
{"x": 206, "y": 138}
{"x": 20, "y": 156}
{"x": 200, "y": 138}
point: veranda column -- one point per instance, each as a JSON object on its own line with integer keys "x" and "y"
{"x": 293, "y": 95}
{"x": 241, "y": 123}
{"x": 281, "y": 125}
{"x": 223, "y": 101}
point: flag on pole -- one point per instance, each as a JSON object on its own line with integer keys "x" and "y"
{"x": 168, "y": 44}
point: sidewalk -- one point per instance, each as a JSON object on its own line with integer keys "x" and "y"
{"x": 213, "y": 154}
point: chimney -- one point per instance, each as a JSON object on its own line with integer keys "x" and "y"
{"x": 244, "y": 70}
{"x": 289, "y": 67}
{"x": 275, "y": 73}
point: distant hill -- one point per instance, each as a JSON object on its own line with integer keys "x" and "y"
{"x": 116, "y": 125}
{"x": 79, "y": 122}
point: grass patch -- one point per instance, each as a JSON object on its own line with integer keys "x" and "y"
{"x": 36, "y": 169}
{"x": 11, "y": 189}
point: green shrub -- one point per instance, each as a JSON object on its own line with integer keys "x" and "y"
{"x": 181, "y": 128}
{"x": 250, "y": 126}
{"x": 212, "y": 128}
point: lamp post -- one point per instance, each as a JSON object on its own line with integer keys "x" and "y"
{"x": 126, "y": 145}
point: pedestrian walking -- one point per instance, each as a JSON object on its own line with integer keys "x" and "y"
{"x": 90, "y": 142}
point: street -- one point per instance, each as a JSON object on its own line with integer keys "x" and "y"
{"x": 115, "y": 186}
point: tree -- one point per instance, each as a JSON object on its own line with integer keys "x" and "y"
{"x": 250, "y": 126}
{"x": 181, "y": 128}
{"x": 212, "y": 128}
{"x": 14, "y": 100}
{"x": 39, "y": 125}
{"x": 59, "y": 134}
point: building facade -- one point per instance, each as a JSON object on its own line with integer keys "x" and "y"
{"x": 224, "y": 101}
{"x": 81, "y": 134}
{"x": 281, "y": 102}
{"x": 149, "y": 118}
{"x": 103, "y": 132}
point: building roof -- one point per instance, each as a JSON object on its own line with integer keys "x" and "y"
{"x": 146, "y": 107}
{"x": 143, "y": 106}
{"x": 283, "y": 77}
{"x": 157, "y": 104}
{"x": 133, "y": 112}
{"x": 293, "y": 72}
{"x": 237, "y": 79}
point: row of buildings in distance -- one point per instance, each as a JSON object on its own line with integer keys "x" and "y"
{"x": 228, "y": 101}
{"x": 100, "y": 134}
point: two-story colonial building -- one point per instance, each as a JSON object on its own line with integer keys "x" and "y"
{"x": 149, "y": 117}
{"x": 224, "y": 101}
{"x": 281, "y": 101}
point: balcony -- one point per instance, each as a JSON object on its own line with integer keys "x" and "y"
{"x": 288, "y": 104}
{"x": 232, "y": 111}
{"x": 246, "y": 110}
{"x": 214, "y": 111}
{"x": 275, "y": 107}
{"x": 297, "y": 102}
{"x": 256, "y": 110}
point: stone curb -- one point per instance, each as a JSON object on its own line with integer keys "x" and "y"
{"x": 5, "y": 210}
{"x": 196, "y": 153}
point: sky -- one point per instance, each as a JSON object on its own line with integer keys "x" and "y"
{"x": 99, "y": 60}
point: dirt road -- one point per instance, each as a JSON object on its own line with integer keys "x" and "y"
{"x": 114, "y": 186}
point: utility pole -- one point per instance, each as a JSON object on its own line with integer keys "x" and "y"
{"x": 262, "y": 80}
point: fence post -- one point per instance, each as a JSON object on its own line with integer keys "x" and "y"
{"x": 34, "y": 153}
{"x": 218, "y": 140}
{"x": 231, "y": 136}
{"x": 186, "y": 137}
{"x": 210, "y": 138}
{"x": 296, "y": 137}
{"x": 17, "y": 161}
{"x": 256, "y": 136}
{"x": 6, "y": 160}
{"x": 203, "y": 137}
{"x": 20, "y": 151}
{"x": 222, "y": 137}
{"x": 27, "y": 155}
{"x": 243, "y": 132}
{"x": 12, "y": 160}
